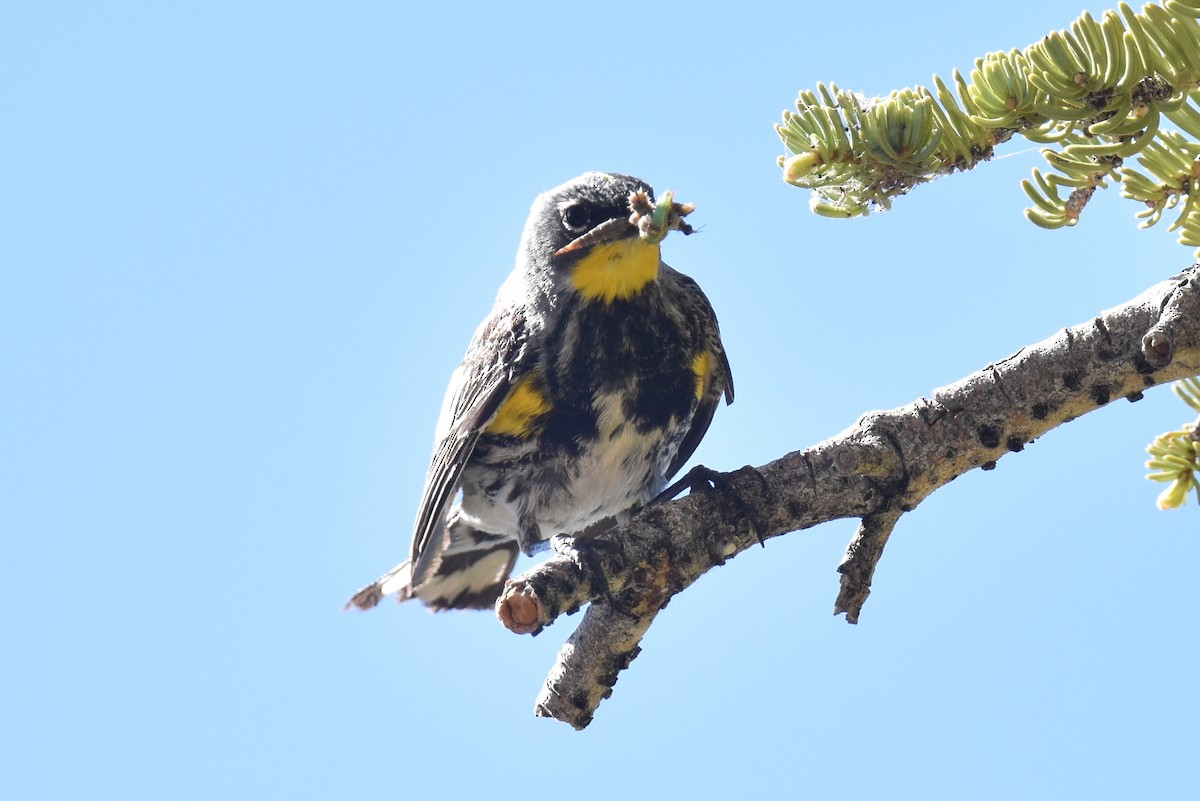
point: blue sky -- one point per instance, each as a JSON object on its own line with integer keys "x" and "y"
{"x": 243, "y": 247}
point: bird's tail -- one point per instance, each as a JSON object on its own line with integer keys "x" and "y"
{"x": 468, "y": 573}
{"x": 397, "y": 580}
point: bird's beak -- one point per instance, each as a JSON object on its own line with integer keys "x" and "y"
{"x": 607, "y": 231}
{"x": 652, "y": 222}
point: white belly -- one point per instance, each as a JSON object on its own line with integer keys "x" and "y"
{"x": 624, "y": 468}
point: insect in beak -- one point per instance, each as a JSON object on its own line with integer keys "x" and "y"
{"x": 652, "y": 221}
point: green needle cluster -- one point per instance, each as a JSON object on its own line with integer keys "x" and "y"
{"x": 1115, "y": 99}
{"x": 1175, "y": 455}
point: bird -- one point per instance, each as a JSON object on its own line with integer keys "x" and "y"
{"x": 582, "y": 393}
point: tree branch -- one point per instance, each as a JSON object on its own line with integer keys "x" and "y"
{"x": 876, "y": 470}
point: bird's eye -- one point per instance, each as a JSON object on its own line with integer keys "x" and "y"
{"x": 577, "y": 218}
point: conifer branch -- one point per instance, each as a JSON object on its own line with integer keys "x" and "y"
{"x": 878, "y": 469}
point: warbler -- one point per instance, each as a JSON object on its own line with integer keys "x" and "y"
{"x": 588, "y": 386}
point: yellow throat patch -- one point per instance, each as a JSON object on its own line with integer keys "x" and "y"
{"x": 616, "y": 270}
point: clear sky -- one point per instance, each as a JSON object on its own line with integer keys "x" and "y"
{"x": 242, "y": 247}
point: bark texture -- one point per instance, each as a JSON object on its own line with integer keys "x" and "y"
{"x": 876, "y": 470}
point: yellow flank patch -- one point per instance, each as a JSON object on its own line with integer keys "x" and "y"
{"x": 519, "y": 414}
{"x": 702, "y": 366}
{"x": 616, "y": 269}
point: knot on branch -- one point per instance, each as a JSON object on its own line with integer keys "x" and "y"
{"x": 1176, "y": 323}
{"x": 520, "y": 611}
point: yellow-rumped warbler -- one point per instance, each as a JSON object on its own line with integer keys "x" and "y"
{"x": 587, "y": 387}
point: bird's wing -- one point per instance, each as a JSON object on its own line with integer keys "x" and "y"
{"x": 717, "y": 382}
{"x": 477, "y": 388}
